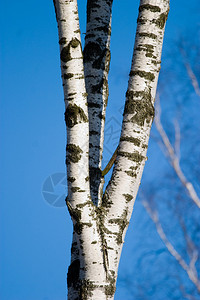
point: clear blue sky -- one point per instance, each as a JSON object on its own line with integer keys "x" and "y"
{"x": 36, "y": 236}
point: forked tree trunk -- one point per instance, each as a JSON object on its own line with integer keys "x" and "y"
{"x": 100, "y": 220}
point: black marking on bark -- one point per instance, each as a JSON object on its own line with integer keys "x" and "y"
{"x": 71, "y": 179}
{"x": 84, "y": 94}
{"x": 144, "y": 146}
{"x": 128, "y": 197}
{"x": 78, "y": 227}
{"x": 141, "y": 20}
{"x": 131, "y": 173}
{"x": 73, "y": 153}
{"x": 77, "y": 31}
{"x": 74, "y": 249}
{"x": 160, "y": 22}
{"x": 71, "y": 94}
{"x": 74, "y": 42}
{"x": 147, "y": 75}
{"x": 149, "y": 49}
{"x": 81, "y": 205}
{"x": 93, "y": 132}
{"x": 106, "y": 200}
{"x": 152, "y": 8}
{"x": 100, "y": 213}
{"x": 87, "y": 224}
{"x": 134, "y": 156}
{"x": 86, "y": 289}
{"x": 68, "y": 75}
{"x": 133, "y": 140}
{"x": 69, "y": 99}
{"x": 94, "y": 105}
{"x": 75, "y": 189}
{"x": 65, "y": 55}
{"x": 147, "y": 34}
{"x": 62, "y": 41}
{"x": 122, "y": 223}
{"x": 74, "y": 115}
{"x": 75, "y": 213}
{"x": 73, "y": 273}
{"x": 156, "y": 62}
{"x": 142, "y": 110}
{"x": 110, "y": 289}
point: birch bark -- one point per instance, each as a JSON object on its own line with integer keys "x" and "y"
{"x": 100, "y": 221}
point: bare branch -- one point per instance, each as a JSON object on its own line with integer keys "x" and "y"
{"x": 174, "y": 160}
{"x": 110, "y": 163}
{"x": 190, "y": 72}
{"x": 177, "y": 138}
{"x": 189, "y": 269}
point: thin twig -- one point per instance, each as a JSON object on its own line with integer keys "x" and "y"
{"x": 110, "y": 163}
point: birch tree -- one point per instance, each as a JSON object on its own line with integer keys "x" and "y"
{"x": 101, "y": 216}
{"x": 170, "y": 245}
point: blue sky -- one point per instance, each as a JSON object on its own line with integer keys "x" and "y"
{"x": 36, "y": 236}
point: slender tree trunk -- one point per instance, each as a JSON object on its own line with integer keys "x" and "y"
{"x": 100, "y": 221}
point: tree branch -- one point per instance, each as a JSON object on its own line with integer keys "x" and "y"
{"x": 190, "y": 72}
{"x": 174, "y": 160}
{"x": 96, "y": 66}
{"x": 122, "y": 189}
{"x": 110, "y": 163}
{"x": 76, "y": 114}
{"x": 189, "y": 269}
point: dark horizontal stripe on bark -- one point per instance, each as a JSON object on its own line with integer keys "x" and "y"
{"x": 133, "y": 140}
{"x": 134, "y": 156}
{"x": 147, "y": 75}
{"x": 152, "y": 8}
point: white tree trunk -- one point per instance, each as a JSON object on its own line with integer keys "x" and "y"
{"x": 100, "y": 221}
